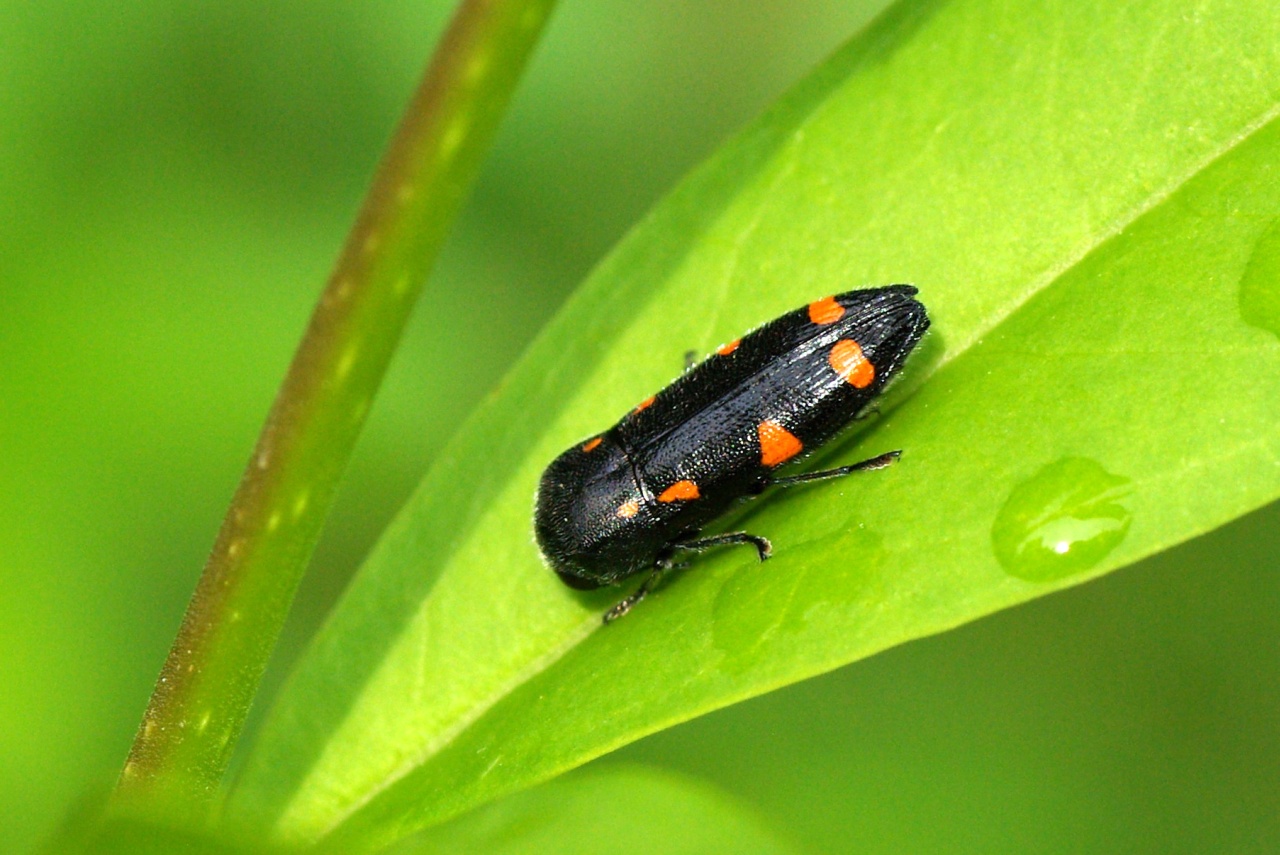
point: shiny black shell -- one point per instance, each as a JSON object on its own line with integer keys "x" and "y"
{"x": 618, "y": 502}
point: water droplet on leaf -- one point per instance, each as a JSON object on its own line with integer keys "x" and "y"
{"x": 1061, "y": 521}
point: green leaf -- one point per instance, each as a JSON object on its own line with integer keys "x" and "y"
{"x": 619, "y": 810}
{"x": 1078, "y": 190}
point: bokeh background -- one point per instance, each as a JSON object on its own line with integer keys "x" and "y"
{"x": 175, "y": 180}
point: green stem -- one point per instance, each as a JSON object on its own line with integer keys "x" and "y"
{"x": 209, "y": 679}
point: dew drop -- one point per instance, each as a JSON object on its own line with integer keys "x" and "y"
{"x": 1061, "y": 521}
{"x": 300, "y": 503}
{"x": 454, "y": 134}
{"x": 348, "y": 360}
{"x": 1260, "y": 283}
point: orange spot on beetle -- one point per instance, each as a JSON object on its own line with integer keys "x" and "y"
{"x": 627, "y": 510}
{"x": 680, "y": 491}
{"x": 726, "y": 349}
{"x": 777, "y": 444}
{"x": 825, "y": 311}
{"x": 644, "y": 405}
{"x": 592, "y": 444}
{"x": 847, "y": 360}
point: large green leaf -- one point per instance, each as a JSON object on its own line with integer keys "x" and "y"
{"x": 625, "y": 810}
{"x": 1083, "y": 192}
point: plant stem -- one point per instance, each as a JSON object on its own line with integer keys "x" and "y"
{"x": 203, "y": 695}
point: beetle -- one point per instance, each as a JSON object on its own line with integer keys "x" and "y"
{"x": 632, "y": 498}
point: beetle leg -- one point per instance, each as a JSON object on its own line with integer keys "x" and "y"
{"x": 763, "y": 548}
{"x": 762, "y": 545}
{"x": 625, "y": 605}
{"x": 664, "y": 566}
{"x": 690, "y": 359}
{"x": 879, "y": 462}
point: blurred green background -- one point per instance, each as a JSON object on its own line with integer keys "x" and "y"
{"x": 177, "y": 179}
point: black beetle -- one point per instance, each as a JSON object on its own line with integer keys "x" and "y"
{"x": 630, "y": 499}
